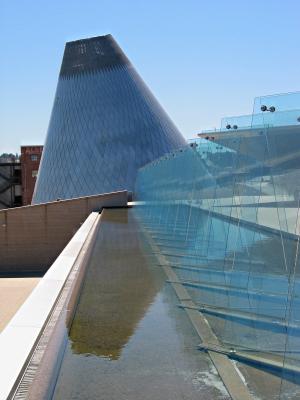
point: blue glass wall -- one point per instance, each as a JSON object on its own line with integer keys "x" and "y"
{"x": 224, "y": 213}
{"x": 105, "y": 124}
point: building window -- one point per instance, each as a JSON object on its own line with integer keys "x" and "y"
{"x": 34, "y": 173}
{"x": 34, "y": 157}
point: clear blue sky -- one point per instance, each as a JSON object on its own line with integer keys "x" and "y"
{"x": 202, "y": 59}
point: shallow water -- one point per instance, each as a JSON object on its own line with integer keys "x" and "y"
{"x": 129, "y": 340}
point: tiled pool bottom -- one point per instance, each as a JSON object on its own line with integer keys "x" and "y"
{"x": 129, "y": 340}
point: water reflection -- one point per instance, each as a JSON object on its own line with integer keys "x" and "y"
{"x": 141, "y": 345}
{"x": 117, "y": 291}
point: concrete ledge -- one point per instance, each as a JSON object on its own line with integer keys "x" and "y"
{"x": 18, "y": 339}
{"x": 31, "y": 237}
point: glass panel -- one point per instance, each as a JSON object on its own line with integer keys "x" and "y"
{"x": 228, "y": 212}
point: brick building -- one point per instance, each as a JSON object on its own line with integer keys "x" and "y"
{"x": 30, "y": 161}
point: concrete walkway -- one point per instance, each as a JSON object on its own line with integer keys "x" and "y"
{"x": 13, "y": 293}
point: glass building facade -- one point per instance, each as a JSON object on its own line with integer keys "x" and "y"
{"x": 224, "y": 213}
{"x": 105, "y": 124}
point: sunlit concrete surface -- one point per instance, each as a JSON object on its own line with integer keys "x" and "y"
{"x": 32, "y": 237}
{"x": 13, "y": 293}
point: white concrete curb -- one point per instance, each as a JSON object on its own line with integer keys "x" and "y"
{"x": 18, "y": 338}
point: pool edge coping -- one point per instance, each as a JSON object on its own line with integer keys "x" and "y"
{"x": 19, "y": 337}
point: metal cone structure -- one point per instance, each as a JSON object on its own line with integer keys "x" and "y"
{"x": 105, "y": 124}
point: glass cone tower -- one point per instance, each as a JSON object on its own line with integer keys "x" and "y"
{"x": 105, "y": 124}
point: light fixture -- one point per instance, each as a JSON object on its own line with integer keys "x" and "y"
{"x": 265, "y": 108}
